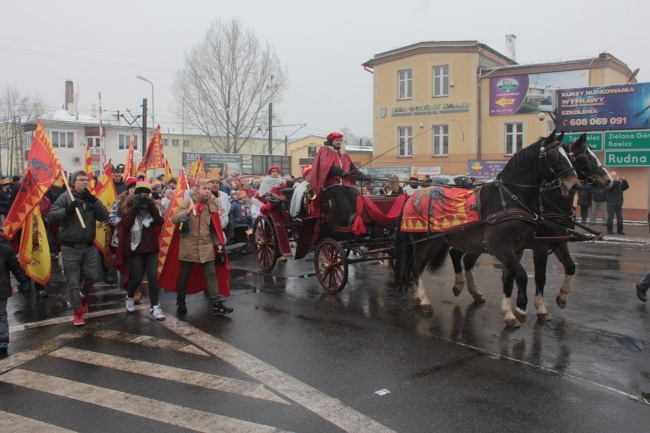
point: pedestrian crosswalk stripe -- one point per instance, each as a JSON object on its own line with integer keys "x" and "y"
{"x": 27, "y": 355}
{"x": 68, "y": 318}
{"x": 308, "y": 397}
{"x": 188, "y": 377}
{"x": 10, "y": 422}
{"x": 140, "y": 406}
{"x": 149, "y": 341}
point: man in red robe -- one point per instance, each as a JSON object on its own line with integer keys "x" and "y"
{"x": 334, "y": 172}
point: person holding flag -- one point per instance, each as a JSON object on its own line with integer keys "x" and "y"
{"x": 77, "y": 242}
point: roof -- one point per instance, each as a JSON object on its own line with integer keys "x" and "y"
{"x": 438, "y": 47}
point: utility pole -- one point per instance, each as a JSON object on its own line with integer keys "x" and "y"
{"x": 270, "y": 128}
{"x": 144, "y": 125}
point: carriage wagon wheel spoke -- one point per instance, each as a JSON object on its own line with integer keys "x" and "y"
{"x": 331, "y": 265}
{"x": 264, "y": 244}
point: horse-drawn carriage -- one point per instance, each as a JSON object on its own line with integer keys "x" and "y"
{"x": 315, "y": 225}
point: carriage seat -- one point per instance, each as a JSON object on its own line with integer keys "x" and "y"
{"x": 383, "y": 203}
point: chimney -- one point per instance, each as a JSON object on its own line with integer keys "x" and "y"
{"x": 69, "y": 96}
{"x": 511, "y": 47}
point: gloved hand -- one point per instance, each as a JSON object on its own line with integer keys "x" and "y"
{"x": 69, "y": 209}
{"x": 142, "y": 202}
{"x": 88, "y": 196}
{"x": 345, "y": 174}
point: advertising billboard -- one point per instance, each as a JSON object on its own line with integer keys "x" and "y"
{"x": 621, "y": 106}
{"x": 225, "y": 162}
{"x": 484, "y": 168}
{"x": 525, "y": 94}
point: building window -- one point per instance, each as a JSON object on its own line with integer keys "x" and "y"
{"x": 95, "y": 143}
{"x": 405, "y": 141}
{"x": 175, "y": 142}
{"x": 441, "y": 80}
{"x": 124, "y": 140}
{"x": 405, "y": 84}
{"x": 186, "y": 143}
{"x": 514, "y": 137}
{"x": 62, "y": 140}
{"x": 165, "y": 141}
{"x": 311, "y": 151}
{"x": 441, "y": 140}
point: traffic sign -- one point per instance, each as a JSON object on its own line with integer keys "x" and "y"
{"x": 627, "y": 140}
{"x": 594, "y": 139}
{"x": 632, "y": 158}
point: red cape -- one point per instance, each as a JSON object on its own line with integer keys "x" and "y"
{"x": 324, "y": 159}
{"x": 168, "y": 277}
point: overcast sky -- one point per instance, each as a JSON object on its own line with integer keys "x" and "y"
{"x": 102, "y": 45}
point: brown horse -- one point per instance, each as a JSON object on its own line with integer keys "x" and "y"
{"x": 550, "y": 237}
{"x": 507, "y": 224}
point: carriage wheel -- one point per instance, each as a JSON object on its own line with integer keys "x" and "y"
{"x": 264, "y": 244}
{"x": 331, "y": 265}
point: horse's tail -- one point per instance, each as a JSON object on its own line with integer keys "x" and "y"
{"x": 404, "y": 272}
{"x": 438, "y": 258}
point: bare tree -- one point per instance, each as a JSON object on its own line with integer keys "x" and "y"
{"x": 353, "y": 139}
{"x": 16, "y": 108}
{"x": 226, "y": 85}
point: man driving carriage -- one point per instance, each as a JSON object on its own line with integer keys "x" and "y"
{"x": 334, "y": 172}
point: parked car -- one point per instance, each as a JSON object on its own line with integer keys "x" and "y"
{"x": 455, "y": 180}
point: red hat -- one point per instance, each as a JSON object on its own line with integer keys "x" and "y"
{"x": 305, "y": 170}
{"x": 273, "y": 167}
{"x": 130, "y": 182}
{"x": 334, "y": 135}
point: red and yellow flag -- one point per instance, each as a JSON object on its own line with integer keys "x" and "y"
{"x": 168, "y": 171}
{"x": 153, "y": 156}
{"x": 105, "y": 192}
{"x": 167, "y": 231}
{"x": 200, "y": 170}
{"x": 34, "y": 252}
{"x": 88, "y": 166}
{"x": 43, "y": 169}
{"x": 129, "y": 165}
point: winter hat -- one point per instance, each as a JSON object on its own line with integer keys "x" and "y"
{"x": 306, "y": 169}
{"x": 16, "y": 179}
{"x": 274, "y": 167}
{"x": 156, "y": 195}
{"x": 334, "y": 135}
{"x": 143, "y": 186}
{"x": 130, "y": 182}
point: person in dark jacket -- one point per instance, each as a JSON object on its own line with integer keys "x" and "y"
{"x": 118, "y": 182}
{"x": 139, "y": 229}
{"x": 584, "y": 200}
{"x": 8, "y": 263}
{"x": 614, "y": 198}
{"x": 77, "y": 249}
{"x": 5, "y": 198}
{"x": 598, "y": 203}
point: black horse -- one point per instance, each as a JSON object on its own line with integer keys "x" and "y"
{"x": 550, "y": 237}
{"x": 507, "y": 224}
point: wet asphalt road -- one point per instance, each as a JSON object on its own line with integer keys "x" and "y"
{"x": 308, "y": 361}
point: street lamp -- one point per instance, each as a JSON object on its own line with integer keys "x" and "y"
{"x": 153, "y": 105}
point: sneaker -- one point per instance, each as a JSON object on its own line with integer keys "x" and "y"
{"x": 78, "y": 317}
{"x": 181, "y": 308}
{"x": 622, "y": 233}
{"x": 84, "y": 304}
{"x": 130, "y": 305}
{"x": 42, "y": 294}
{"x": 641, "y": 293}
{"x": 219, "y": 309}
{"x": 110, "y": 280}
{"x": 156, "y": 312}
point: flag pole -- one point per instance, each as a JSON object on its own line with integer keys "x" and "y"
{"x": 67, "y": 185}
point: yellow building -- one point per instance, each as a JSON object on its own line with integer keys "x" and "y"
{"x": 436, "y": 107}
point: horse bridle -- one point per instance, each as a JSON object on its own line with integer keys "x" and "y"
{"x": 551, "y": 154}
{"x": 580, "y": 162}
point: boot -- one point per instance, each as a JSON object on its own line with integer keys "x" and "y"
{"x": 181, "y": 308}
